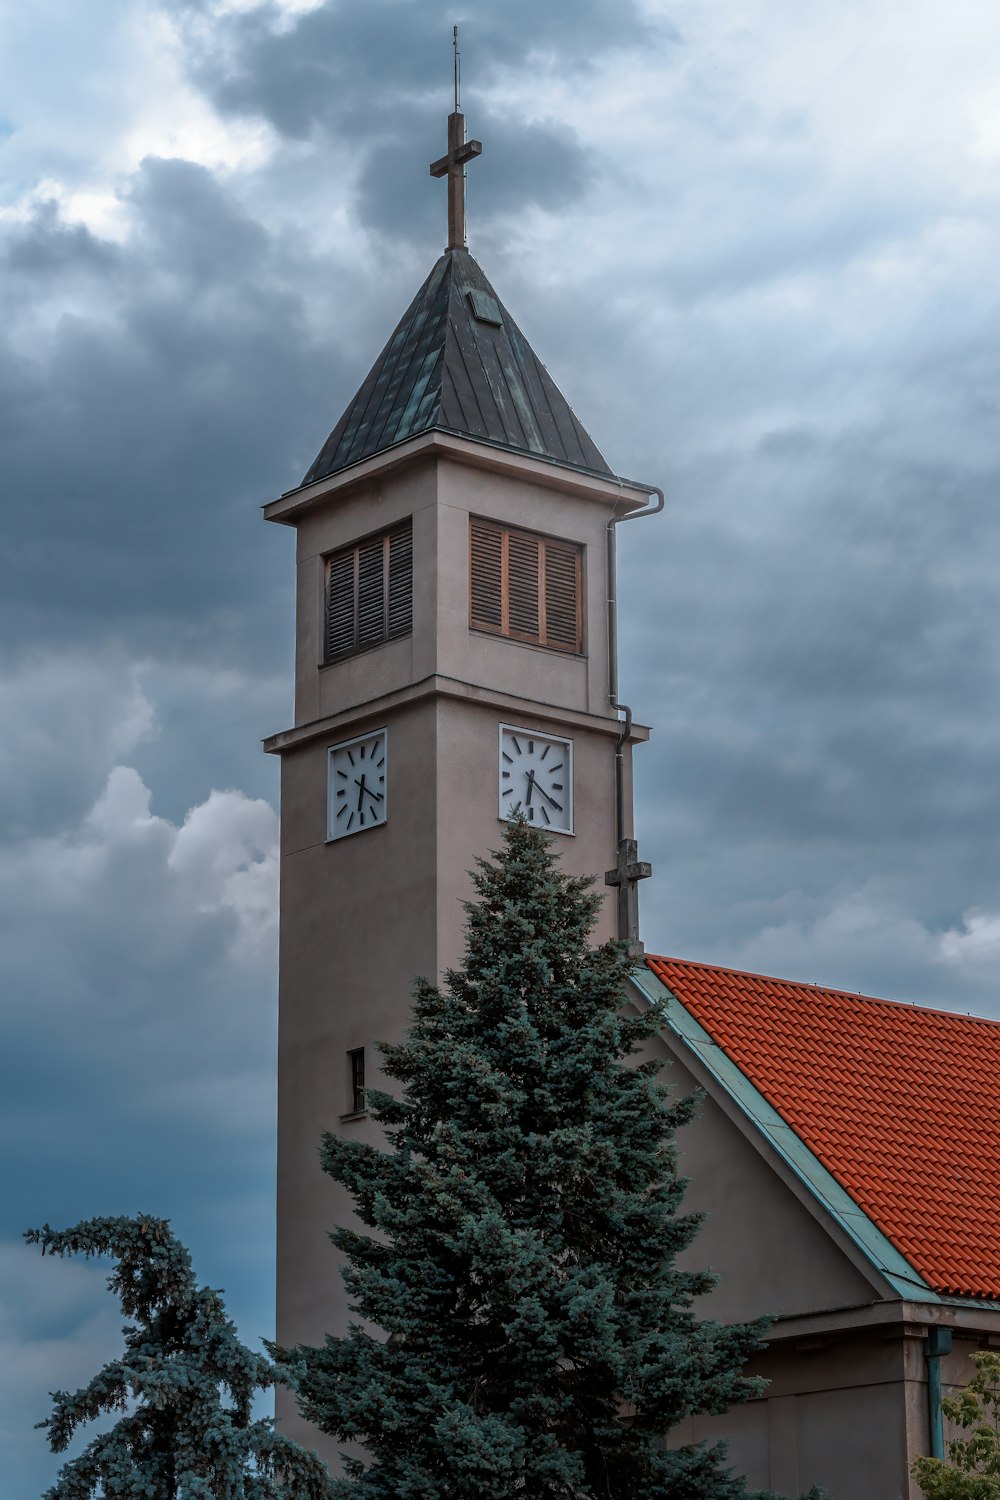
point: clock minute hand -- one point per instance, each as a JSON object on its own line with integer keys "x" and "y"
{"x": 542, "y": 792}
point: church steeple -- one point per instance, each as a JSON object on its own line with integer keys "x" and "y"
{"x": 455, "y": 661}
{"x": 457, "y": 362}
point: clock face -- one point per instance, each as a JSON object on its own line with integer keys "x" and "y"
{"x": 536, "y": 774}
{"x": 358, "y": 787}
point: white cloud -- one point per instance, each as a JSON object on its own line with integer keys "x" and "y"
{"x": 65, "y": 717}
{"x": 861, "y": 931}
{"x": 284, "y": 8}
{"x": 226, "y": 856}
{"x": 866, "y": 939}
{"x": 975, "y": 945}
{"x": 147, "y": 943}
{"x": 85, "y": 115}
{"x": 78, "y": 817}
{"x": 121, "y": 859}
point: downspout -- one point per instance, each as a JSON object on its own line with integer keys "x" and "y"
{"x": 621, "y": 708}
{"x": 937, "y": 1342}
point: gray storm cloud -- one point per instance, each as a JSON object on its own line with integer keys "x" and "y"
{"x": 757, "y": 251}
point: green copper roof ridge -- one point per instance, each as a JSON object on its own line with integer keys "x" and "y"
{"x": 874, "y": 1244}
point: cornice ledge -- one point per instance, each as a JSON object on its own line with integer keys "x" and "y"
{"x": 894, "y": 1312}
{"x": 630, "y": 494}
{"x": 448, "y": 687}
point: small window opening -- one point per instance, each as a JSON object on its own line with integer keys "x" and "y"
{"x": 356, "y": 1060}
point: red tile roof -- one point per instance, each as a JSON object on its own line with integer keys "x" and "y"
{"x": 899, "y": 1102}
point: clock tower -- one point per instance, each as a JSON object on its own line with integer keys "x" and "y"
{"x": 455, "y": 658}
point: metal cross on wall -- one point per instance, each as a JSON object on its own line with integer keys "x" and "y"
{"x": 460, "y": 151}
{"x": 626, "y": 876}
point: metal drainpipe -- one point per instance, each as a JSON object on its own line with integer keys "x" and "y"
{"x": 937, "y": 1342}
{"x": 622, "y": 708}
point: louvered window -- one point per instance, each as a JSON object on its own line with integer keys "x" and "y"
{"x": 369, "y": 593}
{"x": 525, "y": 586}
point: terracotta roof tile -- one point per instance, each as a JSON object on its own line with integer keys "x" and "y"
{"x": 900, "y": 1103}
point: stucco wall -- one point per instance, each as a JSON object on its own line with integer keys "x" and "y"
{"x": 770, "y": 1253}
{"x": 835, "y": 1414}
{"x": 362, "y": 916}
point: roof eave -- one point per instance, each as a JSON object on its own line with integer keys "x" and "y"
{"x": 629, "y": 494}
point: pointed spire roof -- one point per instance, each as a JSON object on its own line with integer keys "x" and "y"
{"x": 458, "y": 363}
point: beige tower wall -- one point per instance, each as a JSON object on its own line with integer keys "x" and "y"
{"x": 361, "y": 916}
{"x": 358, "y": 920}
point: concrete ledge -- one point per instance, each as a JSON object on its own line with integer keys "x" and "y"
{"x": 450, "y": 687}
{"x": 481, "y": 455}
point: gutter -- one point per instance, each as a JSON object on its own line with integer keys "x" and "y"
{"x": 937, "y": 1342}
{"x": 621, "y": 708}
{"x": 629, "y": 868}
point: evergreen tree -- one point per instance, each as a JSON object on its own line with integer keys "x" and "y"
{"x": 536, "y": 1336}
{"x": 178, "y": 1439}
{"x": 972, "y": 1470}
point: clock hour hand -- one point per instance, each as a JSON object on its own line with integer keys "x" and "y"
{"x": 377, "y": 795}
{"x": 541, "y": 791}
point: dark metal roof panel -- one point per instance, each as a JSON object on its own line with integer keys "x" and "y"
{"x": 445, "y": 367}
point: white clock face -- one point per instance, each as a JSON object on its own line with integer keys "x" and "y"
{"x": 536, "y": 774}
{"x": 358, "y": 788}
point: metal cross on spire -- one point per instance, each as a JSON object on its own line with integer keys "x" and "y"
{"x": 460, "y": 151}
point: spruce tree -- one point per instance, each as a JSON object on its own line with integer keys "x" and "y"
{"x": 178, "y": 1439}
{"x": 533, "y": 1334}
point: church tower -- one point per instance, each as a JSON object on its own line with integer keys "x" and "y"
{"x": 455, "y": 657}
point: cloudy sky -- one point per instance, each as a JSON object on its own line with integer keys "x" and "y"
{"x": 756, "y": 244}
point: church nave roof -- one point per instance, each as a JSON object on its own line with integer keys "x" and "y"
{"x": 900, "y": 1104}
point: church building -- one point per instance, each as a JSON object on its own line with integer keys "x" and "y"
{"x": 456, "y": 656}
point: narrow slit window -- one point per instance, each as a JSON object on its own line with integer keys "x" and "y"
{"x": 369, "y": 593}
{"x": 525, "y": 586}
{"x": 356, "y": 1081}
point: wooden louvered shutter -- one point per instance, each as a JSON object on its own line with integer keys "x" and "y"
{"x": 369, "y": 593}
{"x": 341, "y": 611}
{"x": 562, "y": 596}
{"x": 399, "y": 602}
{"x": 525, "y": 586}
{"x": 522, "y": 585}
{"x": 486, "y": 568}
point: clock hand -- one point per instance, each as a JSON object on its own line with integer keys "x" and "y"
{"x": 531, "y": 787}
{"x": 362, "y": 789}
{"x": 542, "y": 792}
{"x": 361, "y": 784}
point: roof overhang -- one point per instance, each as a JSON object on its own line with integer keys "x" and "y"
{"x": 912, "y": 1318}
{"x": 465, "y": 692}
{"x": 625, "y": 495}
